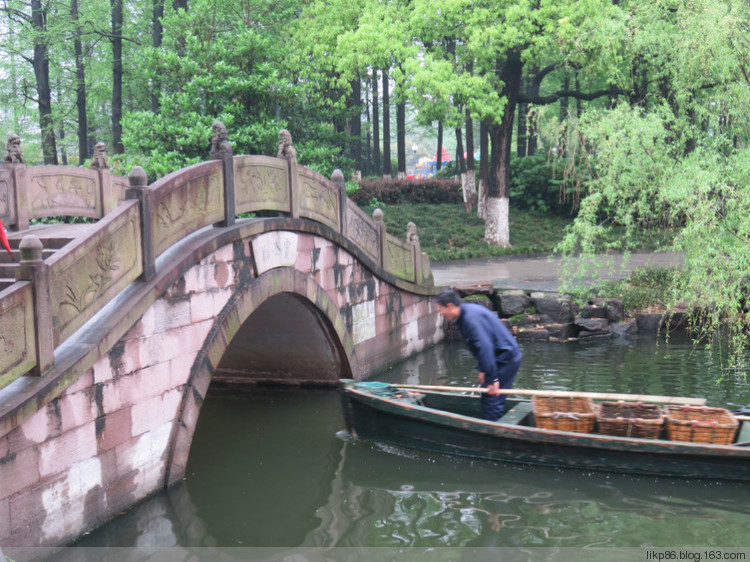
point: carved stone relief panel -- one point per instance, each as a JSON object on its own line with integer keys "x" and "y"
{"x": 5, "y": 193}
{"x": 260, "y": 185}
{"x": 52, "y": 192}
{"x": 319, "y": 202}
{"x": 16, "y": 337}
{"x": 82, "y": 284}
{"x": 362, "y": 232}
{"x": 187, "y": 207}
{"x": 399, "y": 259}
{"x": 275, "y": 249}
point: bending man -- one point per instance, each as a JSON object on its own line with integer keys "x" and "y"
{"x": 493, "y": 346}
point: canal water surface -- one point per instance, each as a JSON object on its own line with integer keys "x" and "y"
{"x": 276, "y": 468}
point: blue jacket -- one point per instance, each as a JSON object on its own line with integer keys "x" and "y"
{"x": 489, "y": 340}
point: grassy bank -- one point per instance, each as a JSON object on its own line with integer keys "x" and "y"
{"x": 446, "y": 232}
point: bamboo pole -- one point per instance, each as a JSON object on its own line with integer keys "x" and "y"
{"x": 565, "y": 393}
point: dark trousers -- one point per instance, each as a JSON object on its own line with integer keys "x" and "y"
{"x": 494, "y": 406}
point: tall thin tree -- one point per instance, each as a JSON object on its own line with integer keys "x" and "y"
{"x": 40, "y": 62}
{"x": 117, "y": 21}
{"x": 387, "y": 171}
{"x": 81, "y": 109}
{"x": 375, "y": 124}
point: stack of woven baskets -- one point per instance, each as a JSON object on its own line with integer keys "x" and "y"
{"x": 634, "y": 419}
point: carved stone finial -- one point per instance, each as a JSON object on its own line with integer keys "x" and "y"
{"x": 31, "y": 248}
{"x": 286, "y": 150}
{"x": 337, "y": 177}
{"x": 100, "y": 157}
{"x": 377, "y": 215}
{"x": 138, "y": 177}
{"x": 411, "y": 233}
{"x": 219, "y": 139}
{"x": 14, "y": 155}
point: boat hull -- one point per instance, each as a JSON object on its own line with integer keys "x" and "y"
{"x": 458, "y": 432}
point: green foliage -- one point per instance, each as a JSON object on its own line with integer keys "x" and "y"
{"x": 679, "y": 157}
{"x": 447, "y": 232}
{"x": 216, "y": 62}
{"x": 536, "y": 186}
{"x": 643, "y": 288}
{"x": 394, "y": 192}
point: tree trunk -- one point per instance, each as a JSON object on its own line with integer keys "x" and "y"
{"x": 83, "y": 126}
{"x": 375, "y": 124}
{"x": 439, "y": 151}
{"x": 41, "y": 74}
{"x": 61, "y": 133}
{"x": 157, "y": 33}
{"x": 497, "y": 230}
{"x": 387, "y": 171}
{"x": 401, "y": 138}
{"x": 117, "y": 18}
{"x": 521, "y": 134}
{"x": 484, "y": 158}
{"x": 470, "y": 184}
{"x": 355, "y": 116}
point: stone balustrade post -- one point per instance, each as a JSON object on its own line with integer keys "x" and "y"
{"x": 222, "y": 150}
{"x": 413, "y": 239}
{"x": 337, "y": 177}
{"x": 138, "y": 189}
{"x": 32, "y": 268}
{"x": 288, "y": 152}
{"x": 377, "y": 217}
{"x": 107, "y": 195}
{"x": 17, "y": 198}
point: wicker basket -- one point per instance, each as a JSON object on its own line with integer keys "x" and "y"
{"x": 630, "y": 419}
{"x": 564, "y": 413}
{"x": 701, "y": 425}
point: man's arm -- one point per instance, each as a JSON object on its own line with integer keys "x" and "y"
{"x": 481, "y": 344}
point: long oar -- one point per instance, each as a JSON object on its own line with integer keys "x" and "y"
{"x": 592, "y": 395}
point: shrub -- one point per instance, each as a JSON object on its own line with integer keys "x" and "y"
{"x": 535, "y": 186}
{"x": 395, "y": 191}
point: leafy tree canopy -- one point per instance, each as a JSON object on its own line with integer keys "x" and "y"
{"x": 678, "y": 154}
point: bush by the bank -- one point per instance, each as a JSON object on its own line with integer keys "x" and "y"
{"x": 399, "y": 191}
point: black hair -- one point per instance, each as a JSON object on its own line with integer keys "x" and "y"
{"x": 447, "y": 297}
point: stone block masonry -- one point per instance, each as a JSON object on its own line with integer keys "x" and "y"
{"x": 122, "y": 429}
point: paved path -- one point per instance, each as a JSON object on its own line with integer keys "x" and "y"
{"x": 540, "y": 273}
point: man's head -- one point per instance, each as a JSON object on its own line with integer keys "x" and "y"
{"x": 449, "y": 304}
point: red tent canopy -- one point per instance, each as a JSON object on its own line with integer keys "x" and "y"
{"x": 446, "y": 157}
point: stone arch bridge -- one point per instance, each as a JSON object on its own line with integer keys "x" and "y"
{"x": 112, "y": 331}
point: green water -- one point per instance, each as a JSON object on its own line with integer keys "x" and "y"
{"x": 276, "y": 468}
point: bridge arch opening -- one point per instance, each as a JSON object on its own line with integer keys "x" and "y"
{"x": 286, "y": 339}
{"x": 281, "y": 306}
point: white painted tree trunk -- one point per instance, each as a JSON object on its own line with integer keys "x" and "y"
{"x": 467, "y": 187}
{"x": 496, "y": 223}
{"x": 482, "y": 200}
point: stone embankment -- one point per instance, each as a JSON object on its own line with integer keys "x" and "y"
{"x": 543, "y": 316}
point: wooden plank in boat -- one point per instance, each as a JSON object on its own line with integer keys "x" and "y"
{"x": 517, "y": 413}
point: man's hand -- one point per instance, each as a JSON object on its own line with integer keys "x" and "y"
{"x": 481, "y": 379}
{"x": 494, "y": 389}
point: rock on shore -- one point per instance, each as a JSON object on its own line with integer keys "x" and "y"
{"x": 538, "y": 316}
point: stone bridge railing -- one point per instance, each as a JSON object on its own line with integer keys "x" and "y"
{"x": 54, "y": 296}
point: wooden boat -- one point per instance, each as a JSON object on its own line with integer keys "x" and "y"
{"x": 450, "y": 422}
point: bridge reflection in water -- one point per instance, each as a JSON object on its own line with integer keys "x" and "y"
{"x": 274, "y": 468}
